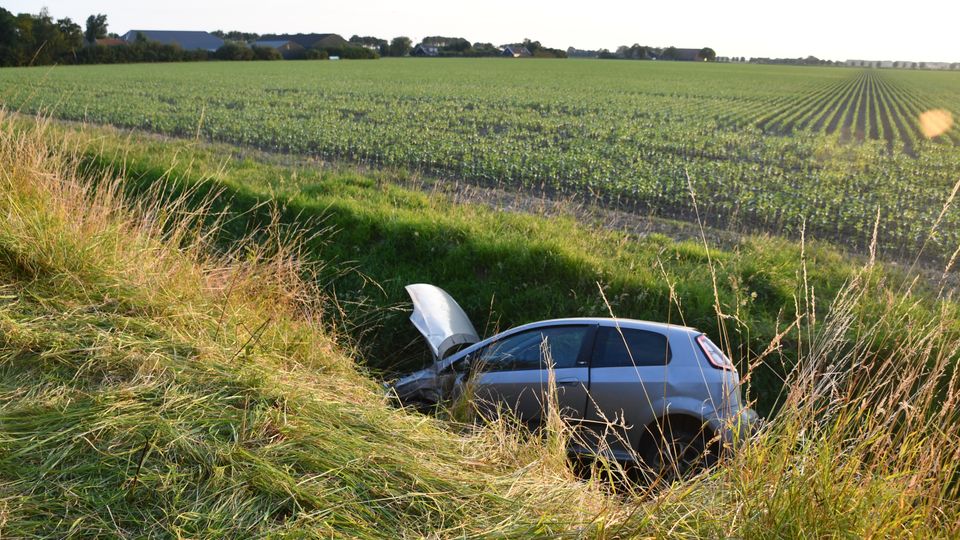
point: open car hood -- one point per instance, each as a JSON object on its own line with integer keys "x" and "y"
{"x": 440, "y": 319}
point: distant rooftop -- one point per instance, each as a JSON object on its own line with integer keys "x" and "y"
{"x": 273, "y": 44}
{"x": 309, "y": 41}
{"x": 188, "y": 40}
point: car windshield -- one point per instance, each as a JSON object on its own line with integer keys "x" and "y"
{"x": 557, "y": 347}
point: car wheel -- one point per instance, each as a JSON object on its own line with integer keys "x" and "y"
{"x": 421, "y": 406}
{"x": 675, "y": 450}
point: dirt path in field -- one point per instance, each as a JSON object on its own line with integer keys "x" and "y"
{"x": 590, "y": 213}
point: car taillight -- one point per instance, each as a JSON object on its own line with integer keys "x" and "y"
{"x": 713, "y": 353}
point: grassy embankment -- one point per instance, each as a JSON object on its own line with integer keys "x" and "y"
{"x": 150, "y": 386}
{"x": 504, "y": 268}
{"x": 154, "y": 382}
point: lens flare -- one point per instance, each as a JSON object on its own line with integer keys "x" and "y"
{"x": 935, "y": 122}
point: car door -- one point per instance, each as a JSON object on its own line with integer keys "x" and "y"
{"x": 628, "y": 382}
{"x": 513, "y": 372}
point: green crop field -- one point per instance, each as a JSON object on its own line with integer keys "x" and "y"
{"x": 765, "y": 148}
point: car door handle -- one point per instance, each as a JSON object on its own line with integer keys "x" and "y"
{"x": 567, "y": 382}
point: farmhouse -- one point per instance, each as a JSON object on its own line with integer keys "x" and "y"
{"x": 286, "y": 48}
{"x": 427, "y": 49}
{"x": 186, "y": 39}
{"x": 516, "y": 51}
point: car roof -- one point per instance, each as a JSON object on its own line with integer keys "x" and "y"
{"x": 602, "y": 321}
{"x": 605, "y": 321}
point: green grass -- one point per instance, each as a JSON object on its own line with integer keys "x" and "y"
{"x": 158, "y": 380}
{"x": 625, "y": 133}
{"x": 504, "y": 268}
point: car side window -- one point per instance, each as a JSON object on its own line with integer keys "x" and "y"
{"x": 629, "y": 347}
{"x": 525, "y": 350}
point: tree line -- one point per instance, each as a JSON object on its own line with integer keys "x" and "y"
{"x": 461, "y": 47}
{"x": 35, "y": 40}
{"x": 645, "y": 52}
{"x": 27, "y": 40}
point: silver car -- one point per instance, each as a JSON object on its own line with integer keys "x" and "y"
{"x": 633, "y": 388}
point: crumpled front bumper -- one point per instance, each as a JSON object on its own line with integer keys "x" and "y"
{"x": 416, "y": 388}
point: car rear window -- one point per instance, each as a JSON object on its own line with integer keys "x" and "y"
{"x": 631, "y": 348}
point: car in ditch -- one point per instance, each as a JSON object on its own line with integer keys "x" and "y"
{"x": 633, "y": 389}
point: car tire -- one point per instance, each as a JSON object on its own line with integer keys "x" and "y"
{"x": 421, "y": 406}
{"x": 676, "y": 449}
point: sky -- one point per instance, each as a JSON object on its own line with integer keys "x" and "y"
{"x": 919, "y": 30}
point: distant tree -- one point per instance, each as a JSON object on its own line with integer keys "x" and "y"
{"x": 400, "y": 46}
{"x": 266, "y": 53}
{"x": 633, "y": 52}
{"x": 42, "y": 41}
{"x": 316, "y": 54}
{"x": 71, "y": 35}
{"x": 482, "y": 49}
{"x": 9, "y": 44}
{"x": 236, "y": 35}
{"x": 96, "y": 28}
{"x": 233, "y": 51}
{"x": 538, "y": 50}
{"x": 372, "y": 43}
{"x": 438, "y": 41}
{"x": 708, "y": 54}
{"x": 455, "y": 47}
{"x": 638, "y": 52}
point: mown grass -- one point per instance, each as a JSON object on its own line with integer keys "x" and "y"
{"x": 158, "y": 381}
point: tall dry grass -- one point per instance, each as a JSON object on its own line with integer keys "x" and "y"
{"x": 152, "y": 384}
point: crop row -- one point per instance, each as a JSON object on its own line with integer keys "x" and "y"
{"x": 766, "y": 148}
{"x": 865, "y": 106}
